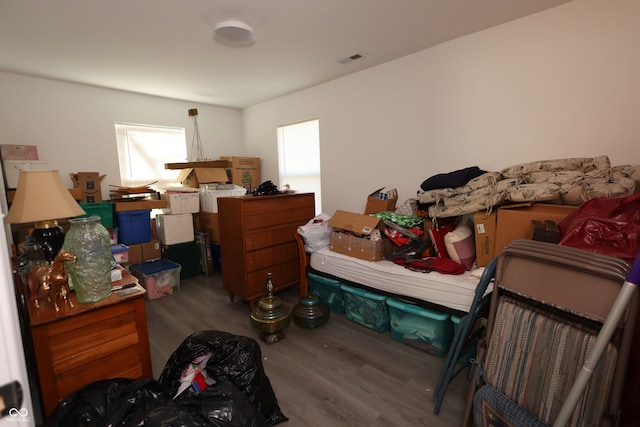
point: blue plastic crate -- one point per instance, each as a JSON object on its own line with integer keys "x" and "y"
{"x": 134, "y": 226}
{"x": 366, "y": 308}
{"x": 428, "y": 330}
{"x": 328, "y": 290}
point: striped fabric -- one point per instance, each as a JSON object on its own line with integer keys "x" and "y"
{"x": 535, "y": 355}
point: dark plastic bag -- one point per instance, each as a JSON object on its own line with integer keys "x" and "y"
{"x": 126, "y": 402}
{"x": 606, "y": 225}
{"x": 235, "y": 359}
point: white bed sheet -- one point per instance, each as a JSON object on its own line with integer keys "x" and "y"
{"x": 453, "y": 291}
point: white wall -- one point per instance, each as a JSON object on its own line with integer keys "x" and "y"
{"x": 561, "y": 83}
{"x": 73, "y": 125}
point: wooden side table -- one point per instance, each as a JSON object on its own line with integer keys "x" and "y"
{"x": 84, "y": 343}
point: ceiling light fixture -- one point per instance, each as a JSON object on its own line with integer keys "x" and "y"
{"x": 234, "y": 33}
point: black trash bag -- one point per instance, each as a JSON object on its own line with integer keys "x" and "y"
{"x": 234, "y": 358}
{"x": 127, "y": 402}
{"x": 107, "y": 402}
{"x": 219, "y": 405}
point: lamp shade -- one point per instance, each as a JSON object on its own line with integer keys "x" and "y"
{"x": 41, "y": 196}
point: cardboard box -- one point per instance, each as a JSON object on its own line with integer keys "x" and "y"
{"x": 485, "y": 236}
{"x": 151, "y": 250}
{"x": 209, "y": 223}
{"x": 139, "y": 205}
{"x": 381, "y": 201}
{"x": 90, "y": 185}
{"x": 173, "y": 229}
{"x": 514, "y": 221}
{"x": 356, "y": 235}
{"x": 194, "y": 177}
{"x": 76, "y": 193}
{"x": 135, "y": 254}
{"x": 243, "y": 171}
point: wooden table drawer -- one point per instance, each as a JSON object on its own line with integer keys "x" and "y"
{"x": 126, "y": 363}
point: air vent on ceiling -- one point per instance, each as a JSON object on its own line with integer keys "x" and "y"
{"x": 350, "y": 58}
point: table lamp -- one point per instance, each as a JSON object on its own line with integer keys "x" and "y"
{"x": 41, "y": 197}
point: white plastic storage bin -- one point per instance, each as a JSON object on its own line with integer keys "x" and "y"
{"x": 181, "y": 202}
{"x": 209, "y": 198}
{"x": 172, "y": 229}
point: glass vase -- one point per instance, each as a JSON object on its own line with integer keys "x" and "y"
{"x": 90, "y": 274}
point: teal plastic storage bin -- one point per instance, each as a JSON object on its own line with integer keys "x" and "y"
{"x": 103, "y": 209}
{"x": 134, "y": 226}
{"x": 428, "y": 330}
{"x": 328, "y": 290}
{"x": 366, "y": 308}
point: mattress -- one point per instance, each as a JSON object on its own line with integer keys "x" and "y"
{"x": 454, "y": 292}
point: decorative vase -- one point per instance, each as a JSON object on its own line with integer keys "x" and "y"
{"x": 270, "y": 317}
{"x": 310, "y": 312}
{"x": 90, "y": 274}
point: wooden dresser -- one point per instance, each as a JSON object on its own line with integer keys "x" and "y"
{"x": 88, "y": 342}
{"x": 257, "y": 237}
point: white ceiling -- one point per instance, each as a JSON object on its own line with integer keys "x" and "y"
{"x": 166, "y": 48}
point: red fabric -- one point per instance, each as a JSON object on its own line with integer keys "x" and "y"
{"x": 437, "y": 238}
{"x": 400, "y": 239}
{"x": 441, "y": 265}
{"x": 606, "y": 225}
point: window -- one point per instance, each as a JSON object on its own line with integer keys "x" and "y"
{"x": 299, "y": 158}
{"x": 143, "y": 150}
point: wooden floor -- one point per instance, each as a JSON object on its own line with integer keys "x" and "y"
{"x": 341, "y": 374}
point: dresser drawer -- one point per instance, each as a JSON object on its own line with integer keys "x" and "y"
{"x": 283, "y": 276}
{"x": 298, "y": 216}
{"x": 261, "y": 205}
{"x": 263, "y": 258}
{"x": 259, "y": 239}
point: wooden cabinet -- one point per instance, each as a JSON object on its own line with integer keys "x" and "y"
{"x": 84, "y": 343}
{"x": 257, "y": 237}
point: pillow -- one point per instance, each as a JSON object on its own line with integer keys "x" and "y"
{"x": 461, "y": 245}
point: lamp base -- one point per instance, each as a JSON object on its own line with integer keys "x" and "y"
{"x": 51, "y": 235}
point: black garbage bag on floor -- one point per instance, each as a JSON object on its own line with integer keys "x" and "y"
{"x": 235, "y": 359}
{"x": 146, "y": 402}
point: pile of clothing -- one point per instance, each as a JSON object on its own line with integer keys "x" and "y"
{"x": 570, "y": 181}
